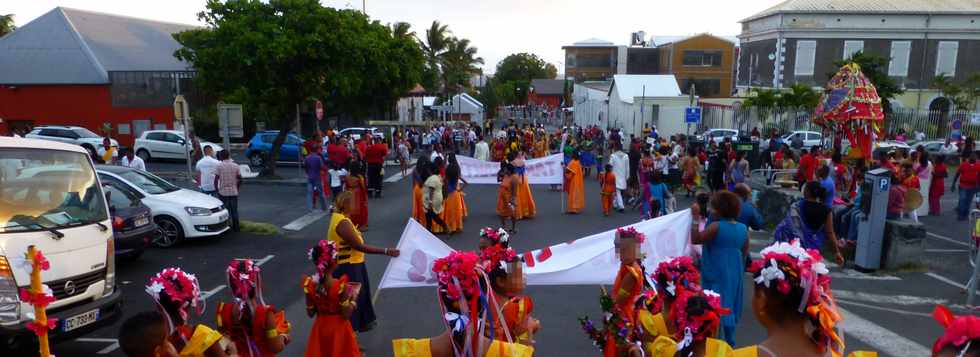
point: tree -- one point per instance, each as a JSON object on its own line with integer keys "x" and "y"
{"x": 7, "y": 24}
{"x": 281, "y": 53}
{"x": 876, "y": 69}
{"x": 436, "y": 41}
{"x": 488, "y": 96}
{"x": 520, "y": 68}
{"x": 459, "y": 64}
{"x": 799, "y": 96}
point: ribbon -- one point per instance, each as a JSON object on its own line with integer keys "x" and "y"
{"x": 687, "y": 340}
{"x": 457, "y": 322}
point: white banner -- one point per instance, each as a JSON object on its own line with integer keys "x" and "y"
{"x": 585, "y": 261}
{"x": 546, "y": 170}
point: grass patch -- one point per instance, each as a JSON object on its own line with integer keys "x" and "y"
{"x": 259, "y": 228}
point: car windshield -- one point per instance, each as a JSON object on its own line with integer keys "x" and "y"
{"x": 52, "y": 189}
{"x": 85, "y": 133}
{"x": 148, "y": 182}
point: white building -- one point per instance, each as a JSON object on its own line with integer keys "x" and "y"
{"x": 637, "y": 101}
{"x": 591, "y": 103}
{"x": 411, "y": 108}
{"x": 463, "y": 107}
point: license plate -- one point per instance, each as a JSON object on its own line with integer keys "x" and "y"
{"x": 80, "y": 320}
{"x": 142, "y": 222}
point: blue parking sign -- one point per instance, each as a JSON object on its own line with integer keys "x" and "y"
{"x": 692, "y": 115}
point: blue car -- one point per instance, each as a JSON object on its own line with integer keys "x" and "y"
{"x": 260, "y": 147}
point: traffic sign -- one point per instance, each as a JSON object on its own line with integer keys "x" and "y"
{"x": 230, "y": 120}
{"x": 180, "y": 108}
{"x": 692, "y": 115}
{"x": 319, "y": 110}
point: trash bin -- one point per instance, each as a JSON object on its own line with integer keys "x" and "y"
{"x": 751, "y": 150}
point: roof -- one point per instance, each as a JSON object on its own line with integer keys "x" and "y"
{"x": 548, "y": 86}
{"x": 629, "y": 86}
{"x": 70, "y": 46}
{"x": 871, "y": 6}
{"x": 39, "y": 144}
{"x": 592, "y": 42}
{"x": 663, "y": 40}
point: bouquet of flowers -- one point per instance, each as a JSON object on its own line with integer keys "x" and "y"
{"x": 613, "y": 324}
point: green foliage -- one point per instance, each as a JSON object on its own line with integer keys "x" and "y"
{"x": 799, "y": 96}
{"x": 7, "y": 24}
{"x": 488, "y": 96}
{"x": 963, "y": 95}
{"x": 876, "y": 69}
{"x": 763, "y": 98}
{"x": 449, "y": 61}
{"x": 517, "y": 70}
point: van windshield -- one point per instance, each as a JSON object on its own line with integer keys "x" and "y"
{"x": 47, "y": 189}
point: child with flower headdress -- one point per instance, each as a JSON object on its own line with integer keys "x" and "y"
{"x": 491, "y": 237}
{"x": 464, "y": 298}
{"x": 505, "y": 273}
{"x": 696, "y": 316}
{"x": 627, "y": 286}
{"x": 257, "y": 329}
{"x": 670, "y": 277}
{"x": 176, "y": 293}
{"x": 331, "y": 301}
{"x": 961, "y": 337}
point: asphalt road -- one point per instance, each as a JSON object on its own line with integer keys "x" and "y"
{"x": 885, "y": 311}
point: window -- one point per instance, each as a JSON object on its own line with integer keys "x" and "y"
{"x": 65, "y": 133}
{"x": 267, "y": 138}
{"x": 946, "y": 57}
{"x": 48, "y": 132}
{"x": 155, "y": 136}
{"x": 812, "y": 136}
{"x": 702, "y": 58}
{"x": 173, "y": 138}
{"x": 806, "y": 52}
{"x": 702, "y": 87}
{"x": 293, "y": 140}
{"x": 852, "y": 47}
{"x": 85, "y": 133}
{"x": 120, "y": 196}
{"x": 899, "y": 65}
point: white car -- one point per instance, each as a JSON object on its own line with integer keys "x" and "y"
{"x": 179, "y": 213}
{"x": 167, "y": 144}
{"x": 809, "y": 138}
{"x": 719, "y": 135}
{"x": 51, "y": 199}
{"x": 71, "y": 135}
{"x": 356, "y": 133}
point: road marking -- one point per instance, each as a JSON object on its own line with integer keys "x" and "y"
{"x": 113, "y": 344}
{"x": 395, "y": 178}
{"x": 880, "y": 338}
{"x": 946, "y": 280}
{"x": 264, "y": 260}
{"x": 951, "y": 240}
{"x": 205, "y": 295}
{"x": 945, "y": 250}
{"x": 906, "y": 300}
{"x": 854, "y": 274}
{"x": 304, "y": 221}
{"x": 903, "y": 312}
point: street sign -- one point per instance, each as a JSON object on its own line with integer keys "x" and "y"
{"x": 319, "y": 110}
{"x": 692, "y": 115}
{"x": 230, "y": 120}
{"x": 180, "y": 108}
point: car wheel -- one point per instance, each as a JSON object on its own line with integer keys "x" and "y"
{"x": 256, "y": 159}
{"x": 169, "y": 232}
{"x": 143, "y": 154}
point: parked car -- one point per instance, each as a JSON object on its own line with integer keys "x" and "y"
{"x": 132, "y": 223}
{"x": 357, "y": 133}
{"x": 810, "y": 138}
{"x": 178, "y": 213}
{"x": 718, "y": 135}
{"x": 261, "y": 145}
{"x": 935, "y": 147}
{"x": 77, "y": 135}
{"x": 50, "y": 198}
{"x": 167, "y": 144}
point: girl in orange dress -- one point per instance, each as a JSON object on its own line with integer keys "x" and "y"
{"x": 575, "y": 185}
{"x": 506, "y": 275}
{"x": 506, "y": 197}
{"x": 418, "y": 211}
{"x": 628, "y": 283}
{"x": 525, "y": 207}
{"x": 607, "y": 182}
{"x": 331, "y": 301}
{"x": 356, "y": 184}
{"x": 454, "y": 209}
{"x": 257, "y": 329}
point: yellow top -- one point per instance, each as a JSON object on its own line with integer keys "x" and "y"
{"x": 345, "y": 253}
{"x": 411, "y": 347}
{"x": 653, "y": 325}
{"x": 202, "y": 339}
{"x": 665, "y": 346}
{"x": 753, "y": 351}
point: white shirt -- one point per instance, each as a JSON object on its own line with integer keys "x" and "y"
{"x": 335, "y": 176}
{"x": 620, "y": 162}
{"x": 482, "y": 151}
{"x": 920, "y": 136}
{"x": 137, "y": 163}
{"x": 434, "y": 155}
{"x": 472, "y": 135}
{"x": 207, "y": 167}
{"x": 948, "y": 149}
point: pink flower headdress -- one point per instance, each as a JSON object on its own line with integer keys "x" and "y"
{"x": 693, "y": 328}
{"x": 175, "y": 293}
{"x": 496, "y": 236}
{"x": 245, "y": 281}
{"x": 675, "y": 273}
{"x": 498, "y": 256}
{"x": 631, "y": 233}
{"x": 323, "y": 256}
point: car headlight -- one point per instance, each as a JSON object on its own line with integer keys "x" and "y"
{"x": 197, "y": 211}
{"x": 9, "y": 299}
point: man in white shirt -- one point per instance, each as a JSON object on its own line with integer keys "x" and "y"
{"x": 620, "y": 162}
{"x": 482, "y": 151}
{"x": 948, "y": 148}
{"x": 133, "y": 161}
{"x": 206, "y": 168}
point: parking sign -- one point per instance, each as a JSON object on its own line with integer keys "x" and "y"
{"x": 692, "y": 115}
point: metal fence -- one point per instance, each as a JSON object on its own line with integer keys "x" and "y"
{"x": 935, "y": 124}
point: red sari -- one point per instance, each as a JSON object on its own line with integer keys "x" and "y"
{"x": 359, "y": 215}
{"x": 332, "y": 334}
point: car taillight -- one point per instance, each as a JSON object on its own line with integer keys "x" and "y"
{"x": 110, "y": 267}
{"x": 118, "y": 222}
{"x": 9, "y": 300}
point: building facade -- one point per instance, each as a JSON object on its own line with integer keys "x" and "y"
{"x": 798, "y": 41}
{"x": 548, "y": 93}
{"x": 593, "y": 60}
{"x": 704, "y": 60}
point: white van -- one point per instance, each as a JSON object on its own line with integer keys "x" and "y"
{"x": 51, "y": 198}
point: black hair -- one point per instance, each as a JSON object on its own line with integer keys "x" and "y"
{"x": 608, "y": 167}
{"x": 696, "y": 306}
{"x": 814, "y": 189}
{"x": 437, "y": 163}
{"x": 702, "y": 199}
{"x": 140, "y": 334}
{"x": 223, "y": 155}
{"x": 452, "y": 170}
{"x": 823, "y": 171}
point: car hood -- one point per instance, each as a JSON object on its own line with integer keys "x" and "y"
{"x": 190, "y": 198}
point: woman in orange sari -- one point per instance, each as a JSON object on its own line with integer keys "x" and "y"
{"x": 331, "y": 300}
{"x": 541, "y": 146}
{"x": 418, "y": 211}
{"x": 628, "y": 283}
{"x": 454, "y": 210}
{"x": 575, "y": 185}
{"x": 526, "y": 207}
{"x": 505, "y": 196}
{"x": 356, "y": 184}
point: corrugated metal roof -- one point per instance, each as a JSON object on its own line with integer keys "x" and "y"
{"x": 871, "y": 6}
{"x": 629, "y": 86}
{"x": 70, "y": 46}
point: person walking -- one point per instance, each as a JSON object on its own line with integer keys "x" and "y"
{"x": 482, "y": 151}
{"x": 938, "y": 184}
{"x": 206, "y": 168}
{"x": 228, "y": 181}
{"x": 725, "y": 245}
{"x": 607, "y": 184}
{"x": 351, "y": 250}
{"x": 507, "y": 196}
{"x": 432, "y": 197}
{"x": 313, "y": 164}
{"x": 620, "y": 162}
{"x": 375, "y": 155}
{"x": 133, "y": 161}
{"x": 575, "y": 185}
{"x": 403, "y": 156}
{"x": 966, "y": 174}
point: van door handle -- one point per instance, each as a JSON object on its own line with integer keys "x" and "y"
{"x": 102, "y": 227}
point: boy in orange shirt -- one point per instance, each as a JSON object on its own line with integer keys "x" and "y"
{"x": 607, "y": 181}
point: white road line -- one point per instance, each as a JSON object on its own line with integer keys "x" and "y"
{"x": 264, "y": 260}
{"x": 305, "y": 220}
{"x": 113, "y": 344}
{"x": 946, "y": 280}
{"x": 945, "y": 250}
{"x": 854, "y": 274}
{"x": 395, "y": 178}
{"x": 951, "y": 240}
{"x": 897, "y": 311}
{"x": 880, "y": 338}
{"x": 206, "y": 294}
{"x": 906, "y": 300}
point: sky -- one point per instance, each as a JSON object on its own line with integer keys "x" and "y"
{"x": 496, "y": 27}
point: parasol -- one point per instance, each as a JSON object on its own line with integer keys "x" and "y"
{"x": 851, "y": 106}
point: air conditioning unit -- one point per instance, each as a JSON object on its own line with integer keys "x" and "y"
{"x": 638, "y": 39}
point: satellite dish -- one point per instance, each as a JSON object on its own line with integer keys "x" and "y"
{"x": 772, "y": 56}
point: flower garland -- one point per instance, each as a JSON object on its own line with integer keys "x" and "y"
{"x": 243, "y": 277}
{"x": 695, "y": 328}
{"x": 613, "y": 324}
{"x": 180, "y": 287}
{"x": 455, "y": 274}
{"x": 960, "y": 333}
{"x": 497, "y": 236}
{"x": 631, "y": 232}
{"x": 676, "y": 272}
{"x": 786, "y": 266}
{"x": 326, "y": 256}
{"x": 40, "y": 296}
{"x": 497, "y": 256}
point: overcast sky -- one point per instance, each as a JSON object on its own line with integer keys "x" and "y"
{"x": 496, "y": 27}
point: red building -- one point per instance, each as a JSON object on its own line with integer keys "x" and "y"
{"x": 75, "y": 67}
{"x": 547, "y": 92}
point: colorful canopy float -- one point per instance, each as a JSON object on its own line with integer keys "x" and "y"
{"x": 851, "y": 106}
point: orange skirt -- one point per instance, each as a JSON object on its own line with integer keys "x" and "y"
{"x": 453, "y": 212}
{"x": 466, "y": 211}
{"x": 332, "y": 336}
{"x": 526, "y": 208}
{"x": 418, "y": 212}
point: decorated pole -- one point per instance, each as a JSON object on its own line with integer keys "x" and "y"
{"x": 39, "y": 296}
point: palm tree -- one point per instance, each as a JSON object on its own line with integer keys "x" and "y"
{"x": 7, "y": 24}
{"x": 402, "y": 30}
{"x": 436, "y": 40}
{"x": 459, "y": 62}
{"x": 799, "y": 97}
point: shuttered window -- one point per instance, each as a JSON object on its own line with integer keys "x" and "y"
{"x": 852, "y": 47}
{"x": 806, "y": 52}
{"x": 899, "y": 65}
{"x": 946, "y": 58}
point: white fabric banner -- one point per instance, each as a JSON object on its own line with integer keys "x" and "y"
{"x": 585, "y": 261}
{"x": 546, "y": 170}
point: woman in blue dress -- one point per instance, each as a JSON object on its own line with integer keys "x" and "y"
{"x": 725, "y": 244}
{"x": 658, "y": 192}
